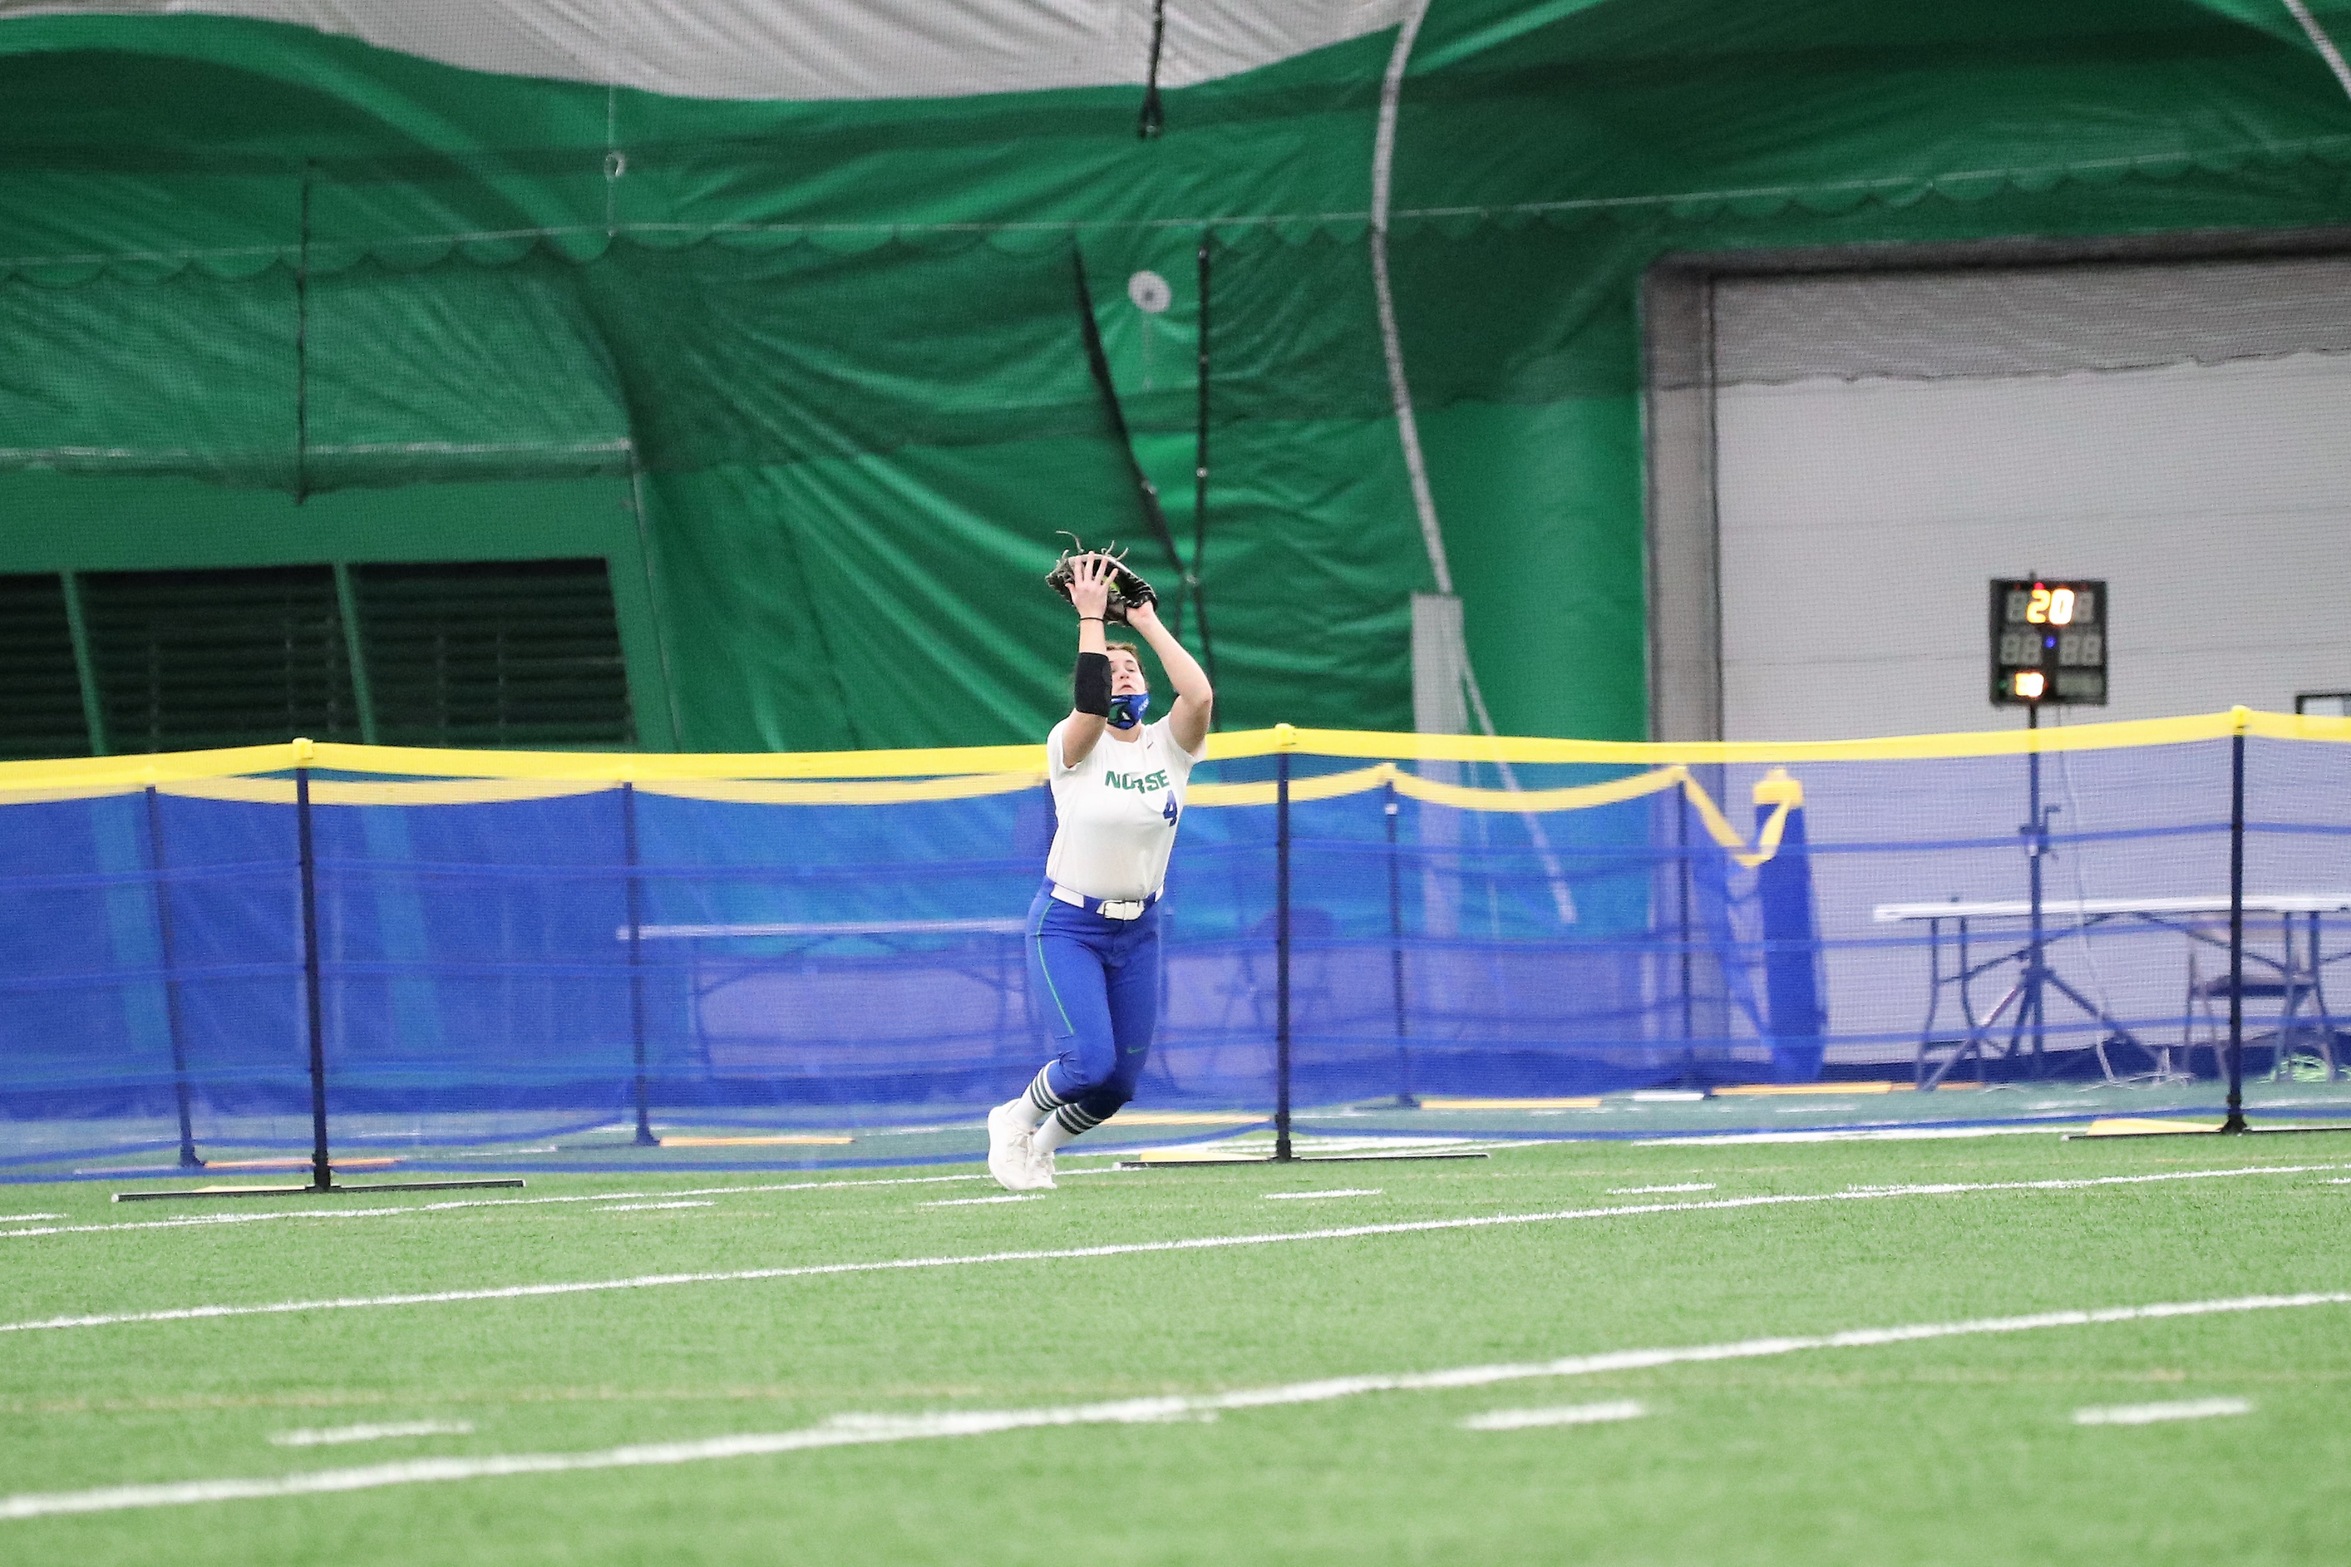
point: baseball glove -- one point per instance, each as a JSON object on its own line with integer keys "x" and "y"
{"x": 1127, "y": 586}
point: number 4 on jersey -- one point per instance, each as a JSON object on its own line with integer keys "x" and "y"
{"x": 1168, "y": 811}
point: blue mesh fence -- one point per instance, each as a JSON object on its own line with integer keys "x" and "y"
{"x": 528, "y": 971}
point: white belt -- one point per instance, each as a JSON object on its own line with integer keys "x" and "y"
{"x": 1108, "y": 908}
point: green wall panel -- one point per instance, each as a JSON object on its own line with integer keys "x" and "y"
{"x": 1549, "y": 565}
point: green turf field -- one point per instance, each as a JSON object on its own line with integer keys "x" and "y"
{"x": 1149, "y": 1406}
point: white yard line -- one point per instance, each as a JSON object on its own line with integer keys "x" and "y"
{"x": 973, "y": 1202}
{"x": 1130, "y": 1249}
{"x": 1650, "y": 1191}
{"x": 2149, "y": 1414}
{"x": 649, "y": 1207}
{"x": 337, "y": 1436}
{"x": 27, "y": 1218}
{"x": 1340, "y": 1191}
{"x": 861, "y": 1430}
{"x": 1560, "y": 1415}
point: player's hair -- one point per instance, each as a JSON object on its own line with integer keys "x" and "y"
{"x": 1131, "y": 651}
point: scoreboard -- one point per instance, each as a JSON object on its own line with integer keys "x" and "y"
{"x": 2048, "y": 642}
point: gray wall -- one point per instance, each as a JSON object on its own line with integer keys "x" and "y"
{"x": 1877, "y": 446}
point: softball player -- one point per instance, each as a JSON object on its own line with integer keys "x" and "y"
{"x": 1093, "y": 932}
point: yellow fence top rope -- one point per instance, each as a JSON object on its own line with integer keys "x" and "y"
{"x": 269, "y": 785}
{"x": 582, "y": 771}
{"x": 1527, "y": 751}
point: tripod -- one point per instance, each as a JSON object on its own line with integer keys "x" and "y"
{"x": 2029, "y": 994}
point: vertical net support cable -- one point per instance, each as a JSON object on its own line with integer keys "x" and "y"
{"x": 174, "y": 1023}
{"x": 616, "y": 167}
{"x": 1098, "y": 364}
{"x": 1152, "y": 118}
{"x": 1281, "y": 957}
{"x": 1383, "y": 170}
{"x": 669, "y": 685}
{"x": 1424, "y": 500}
{"x": 2322, "y": 43}
{"x": 302, "y": 342}
{"x": 1416, "y": 468}
{"x": 616, "y": 162}
{"x": 628, "y": 834}
{"x": 1195, "y": 592}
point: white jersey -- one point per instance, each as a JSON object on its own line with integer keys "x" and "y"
{"x": 1117, "y": 812}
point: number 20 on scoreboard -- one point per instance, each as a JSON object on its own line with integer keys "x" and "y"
{"x": 2048, "y": 642}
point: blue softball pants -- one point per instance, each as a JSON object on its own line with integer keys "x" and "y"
{"x": 1095, "y": 984}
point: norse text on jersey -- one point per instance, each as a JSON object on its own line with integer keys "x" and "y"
{"x": 1140, "y": 783}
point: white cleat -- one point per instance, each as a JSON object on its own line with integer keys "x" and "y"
{"x": 1040, "y": 1169}
{"x": 1010, "y": 1159}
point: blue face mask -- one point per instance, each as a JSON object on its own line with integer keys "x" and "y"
{"x": 1127, "y": 711}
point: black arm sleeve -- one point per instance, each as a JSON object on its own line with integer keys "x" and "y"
{"x": 1093, "y": 685}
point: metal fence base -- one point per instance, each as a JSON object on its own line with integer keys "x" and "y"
{"x": 1309, "y": 1158}
{"x": 314, "y": 1190}
{"x": 2223, "y": 1130}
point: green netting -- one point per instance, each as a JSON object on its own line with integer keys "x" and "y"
{"x": 819, "y": 339}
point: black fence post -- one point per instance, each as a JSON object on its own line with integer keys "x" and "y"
{"x": 1281, "y": 819}
{"x": 1285, "y": 741}
{"x": 1681, "y": 861}
{"x": 322, "y": 1175}
{"x": 171, "y": 981}
{"x": 2236, "y": 1115}
{"x": 1404, "y": 1095}
{"x": 628, "y": 832}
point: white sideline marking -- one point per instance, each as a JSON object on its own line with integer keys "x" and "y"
{"x": 1861, "y": 1134}
{"x": 1342, "y": 1191}
{"x": 2148, "y": 1414}
{"x": 1562, "y": 1415}
{"x": 854, "y": 1430}
{"x": 968, "y": 1202}
{"x": 1645, "y": 1191}
{"x": 648, "y": 1207}
{"x": 336, "y": 1436}
{"x": 27, "y": 1218}
{"x": 1130, "y": 1248}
